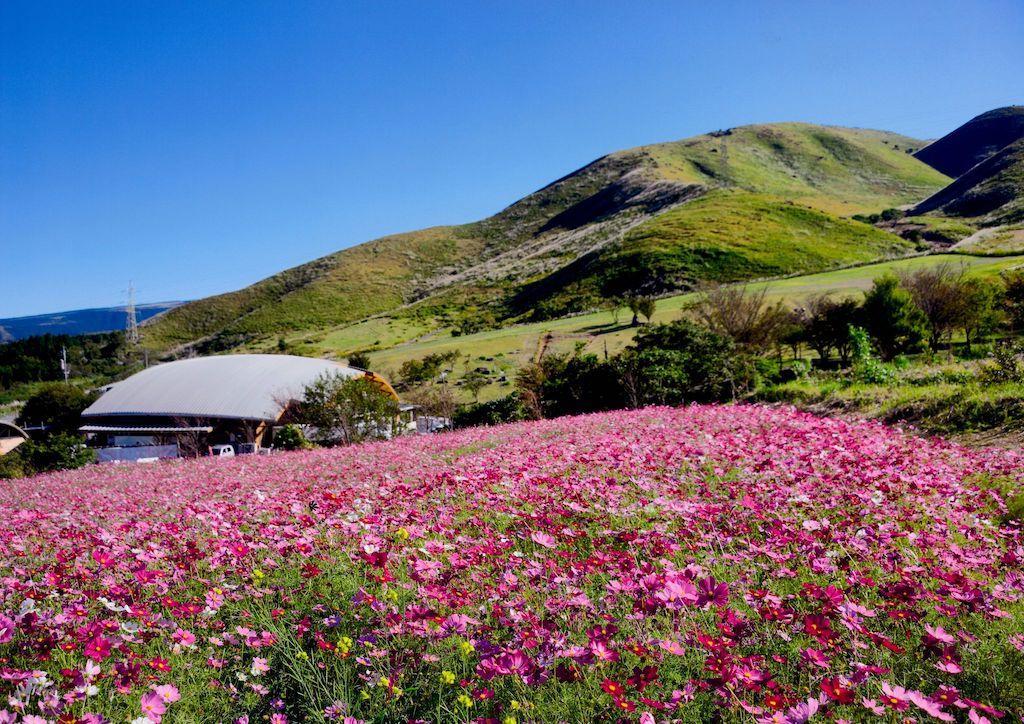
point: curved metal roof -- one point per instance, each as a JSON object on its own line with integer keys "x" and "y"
{"x": 240, "y": 386}
{"x": 10, "y": 436}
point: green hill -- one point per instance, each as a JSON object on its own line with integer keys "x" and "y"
{"x": 747, "y": 202}
{"x": 991, "y": 193}
{"x": 980, "y": 138}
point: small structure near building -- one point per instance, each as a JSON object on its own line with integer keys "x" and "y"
{"x": 11, "y": 436}
{"x": 188, "y": 406}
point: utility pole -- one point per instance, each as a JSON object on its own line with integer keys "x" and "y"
{"x": 131, "y": 334}
{"x": 64, "y": 364}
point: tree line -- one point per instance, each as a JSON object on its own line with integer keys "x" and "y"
{"x": 727, "y": 341}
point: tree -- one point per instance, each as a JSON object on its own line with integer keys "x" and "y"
{"x": 683, "y": 362}
{"x": 826, "y": 325}
{"x": 1013, "y": 299}
{"x": 530, "y": 390}
{"x": 359, "y": 360}
{"x": 59, "y": 451}
{"x": 350, "y": 409}
{"x": 640, "y": 306}
{"x": 57, "y": 407}
{"x": 938, "y": 293}
{"x": 614, "y": 305}
{"x": 742, "y": 315}
{"x": 417, "y": 371}
{"x": 646, "y": 305}
{"x": 436, "y": 400}
{"x": 290, "y": 437}
{"x": 979, "y": 313}
{"x": 474, "y": 381}
{"x": 891, "y": 318}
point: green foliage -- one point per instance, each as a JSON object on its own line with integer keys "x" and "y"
{"x": 683, "y": 362}
{"x": 1007, "y": 363}
{"x": 59, "y": 451}
{"x": 474, "y": 320}
{"x": 349, "y": 409}
{"x": 979, "y": 314}
{"x": 290, "y": 437}
{"x": 418, "y": 371}
{"x": 826, "y": 325}
{"x": 1013, "y": 296}
{"x": 57, "y": 407}
{"x": 505, "y": 409}
{"x": 892, "y": 319}
{"x": 866, "y": 367}
{"x": 474, "y": 381}
{"x": 37, "y": 359}
{"x": 359, "y": 360}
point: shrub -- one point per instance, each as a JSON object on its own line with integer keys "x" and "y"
{"x": 56, "y": 407}
{"x": 866, "y": 367}
{"x": 347, "y": 409}
{"x": 891, "y": 318}
{"x": 290, "y": 437}
{"x": 506, "y": 409}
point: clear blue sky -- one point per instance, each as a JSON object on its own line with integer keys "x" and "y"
{"x": 195, "y": 148}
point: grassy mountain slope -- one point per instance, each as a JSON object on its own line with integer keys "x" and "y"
{"x": 726, "y": 235}
{"x": 836, "y": 170}
{"x": 345, "y": 286}
{"x": 781, "y": 185}
{"x": 978, "y": 139}
{"x": 992, "y": 192}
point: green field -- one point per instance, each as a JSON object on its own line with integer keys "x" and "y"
{"x": 505, "y": 349}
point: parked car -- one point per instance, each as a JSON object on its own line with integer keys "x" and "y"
{"x": 222, "y": 451}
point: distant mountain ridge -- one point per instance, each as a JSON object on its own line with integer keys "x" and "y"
{"x": 78, "y": 321}
{"x": 989, "y": 189}
{"x": 745, "y": 202}
{"x": 980, "y": 138}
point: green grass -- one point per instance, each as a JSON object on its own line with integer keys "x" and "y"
{"x": 344, "y": 287}
{"x": 836, "y": 170}
{"x": 728, "y": 236}
{"x": 941, "y": 407}
{"x": 516, "y": 345}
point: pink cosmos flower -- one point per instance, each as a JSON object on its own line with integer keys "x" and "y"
{"x": 543, "y": 539}
{"x": 895, "y": 697}
{"x": 168, "y": 693}
{"x": 98, "y": 648}
{"x": 153, "y": 706}
{"x": 7, "y": 629}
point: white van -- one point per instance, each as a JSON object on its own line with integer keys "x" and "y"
{"x": 222, "y": 451}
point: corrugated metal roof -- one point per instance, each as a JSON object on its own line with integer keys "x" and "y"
{"x": 240, "y": 386}
{"x": 144, "y": 429}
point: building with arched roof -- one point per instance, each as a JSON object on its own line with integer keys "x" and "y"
{"x": 10, "y": 436}
{"x": 208, "y": 400}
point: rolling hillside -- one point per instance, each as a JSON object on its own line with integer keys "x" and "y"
{"x": 981, "y": 137}
{"x": 987, "y": 198}
{"x": 747, "y": 202}
{"x": 991, "y": 193}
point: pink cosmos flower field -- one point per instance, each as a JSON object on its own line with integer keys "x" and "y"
{"x": 710, "y": 562}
